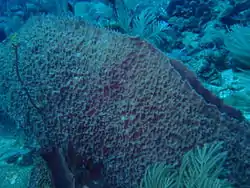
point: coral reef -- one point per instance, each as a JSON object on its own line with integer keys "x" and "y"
{"x": 127, "y": 106}
{"x": 13, "y": 174}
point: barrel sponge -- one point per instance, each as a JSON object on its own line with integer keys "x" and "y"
{"x": 118, "y": 99}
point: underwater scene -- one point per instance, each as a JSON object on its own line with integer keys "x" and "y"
{"x": 124, "y": 94}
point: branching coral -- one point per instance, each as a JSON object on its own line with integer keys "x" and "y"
{"x": 200, "y": 168}
{"x": 237, "y": 42}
